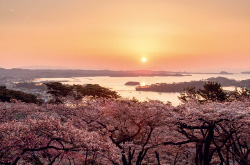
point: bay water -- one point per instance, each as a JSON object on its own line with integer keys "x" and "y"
{"x": 118, "y": 84}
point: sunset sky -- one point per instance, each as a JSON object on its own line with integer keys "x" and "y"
{"x": 175, "y": 35}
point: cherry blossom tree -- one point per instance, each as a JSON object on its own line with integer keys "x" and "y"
{"x": 120, "y": 131}
{"x": 219, "y": 132}
{"x": 41, "y": 136}
{"x": 133, "y": 127}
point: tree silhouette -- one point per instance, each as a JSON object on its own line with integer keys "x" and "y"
{"x": 77, "y": 92}
{"x": 6, "y": 95}
{"x": 212, "y": 91}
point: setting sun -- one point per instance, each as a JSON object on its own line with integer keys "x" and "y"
{"x": 144, "y": 59}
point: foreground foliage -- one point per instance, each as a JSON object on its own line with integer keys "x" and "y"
{"x": 111, "y": 131}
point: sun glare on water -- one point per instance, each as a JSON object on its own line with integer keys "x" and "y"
{"x": 143, "y": 59}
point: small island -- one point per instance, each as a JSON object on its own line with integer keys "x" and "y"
{"x": 172, "y": 87}
{"x": 132, "y": 83}
{"x": 224, "y": 72}
{"x": 247, "y": 72}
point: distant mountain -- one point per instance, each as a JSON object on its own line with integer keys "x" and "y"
{"x": 64, "y": 73}
{"x": 40, "y": 67}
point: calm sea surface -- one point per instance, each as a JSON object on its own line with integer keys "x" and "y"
{"x": 117, "y": 84}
